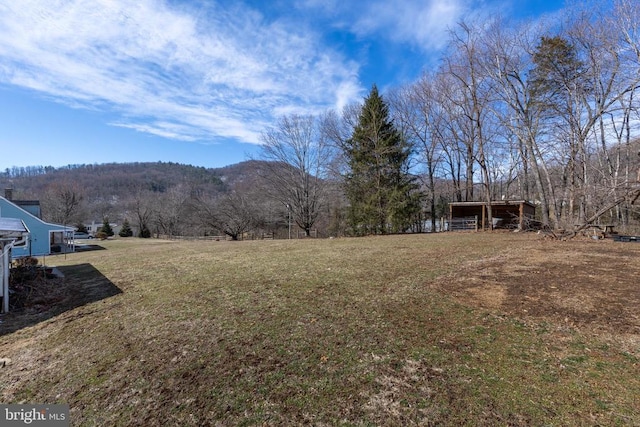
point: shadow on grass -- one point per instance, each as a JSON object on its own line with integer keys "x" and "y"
{"x": 89, "y": 247}
{"x": 44, "y": 297}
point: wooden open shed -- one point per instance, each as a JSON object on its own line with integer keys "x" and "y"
{"x": 505, "y": 213}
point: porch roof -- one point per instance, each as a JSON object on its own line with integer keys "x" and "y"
{"x": 12, "y": 228}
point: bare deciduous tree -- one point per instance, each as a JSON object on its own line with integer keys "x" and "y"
{"x": 417, "y": 110}
{"x": 470, "y": 98}
{"x": 62, "y": 202}
{"x": 231, "y": 214}
{"x": 171, "y": 212}
{"x": 509, "y": 64}
{"x": 143, "y": 207}
{"x": 297, "y": 158}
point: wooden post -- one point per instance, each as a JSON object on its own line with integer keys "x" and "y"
{"x": 4, "y": 278}
{"x": 521, "y": 221}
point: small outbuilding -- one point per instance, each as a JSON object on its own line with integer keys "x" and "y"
{"x": 515, "y": 214}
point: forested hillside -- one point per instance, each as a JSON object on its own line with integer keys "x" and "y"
{"x": 111, "y": 179}
{"x": 166, "y": 198}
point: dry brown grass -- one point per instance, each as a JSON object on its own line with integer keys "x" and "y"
{"x": 451, "y": 329}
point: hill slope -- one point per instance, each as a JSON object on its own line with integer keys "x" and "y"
{"x": 113, "y": 190}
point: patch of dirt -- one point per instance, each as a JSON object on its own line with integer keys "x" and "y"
{"x": 581, "y": 283}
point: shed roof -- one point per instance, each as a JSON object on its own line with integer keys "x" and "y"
{"x": 493, "y": 203}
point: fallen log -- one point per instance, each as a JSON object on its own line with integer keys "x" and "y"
{"x": 632, "y": 195}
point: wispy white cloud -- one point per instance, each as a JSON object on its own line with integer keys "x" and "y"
{"x": 191, "y": 72}
{"x": 423, "y": 24}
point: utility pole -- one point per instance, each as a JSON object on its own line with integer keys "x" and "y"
{"x": 289, "y": 218}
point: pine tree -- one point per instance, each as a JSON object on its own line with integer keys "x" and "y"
{"x": 106, "y": 228}
{"x": 560, "y": 86}
{"x": 557, "y": 73}
{"x": 126, "y": 230}
{"x": 380, "y": 189}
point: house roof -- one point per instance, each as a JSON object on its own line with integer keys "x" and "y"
{"x": 53, "y": 226}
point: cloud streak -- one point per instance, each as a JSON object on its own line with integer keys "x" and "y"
{"x": 423, "y": 24}
{"x": 200, "y": 72}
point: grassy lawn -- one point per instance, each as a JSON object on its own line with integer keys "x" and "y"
{"x": 346, "y": 332}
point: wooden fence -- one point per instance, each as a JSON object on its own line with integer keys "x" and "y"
{"x": 245, "y": 236}
{"x": 465, "y": 223}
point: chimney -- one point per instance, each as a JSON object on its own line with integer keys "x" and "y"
{"x": 8, "y": 193}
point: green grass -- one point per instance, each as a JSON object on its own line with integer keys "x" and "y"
{"x": 321, "y": 332}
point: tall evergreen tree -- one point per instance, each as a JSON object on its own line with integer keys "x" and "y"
{"x": 560, "y": 87}
{"x": 382, "y": 193}
{"x": 558, "y": 75}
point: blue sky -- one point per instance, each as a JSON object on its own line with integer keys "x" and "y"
{"x": 196, "y": 82}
